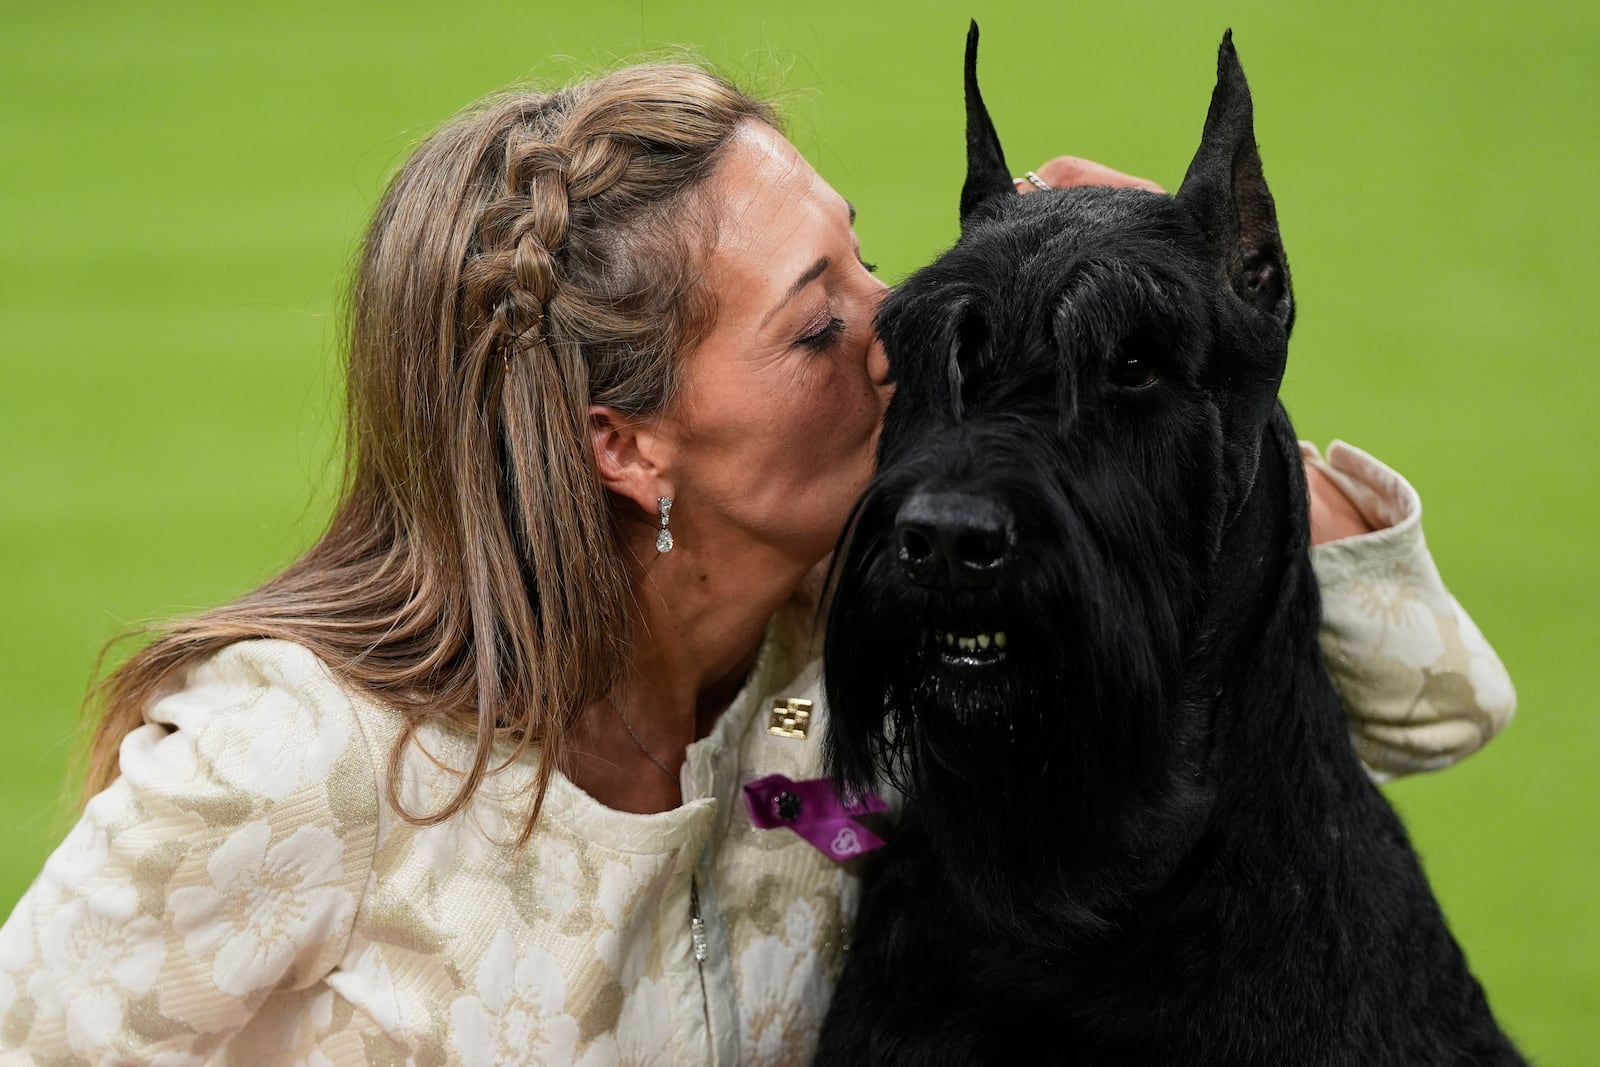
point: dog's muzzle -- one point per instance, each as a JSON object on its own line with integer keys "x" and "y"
{"x": 953, "y": 539}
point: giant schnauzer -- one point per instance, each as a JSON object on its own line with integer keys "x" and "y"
{"x": 1076, "y": 624}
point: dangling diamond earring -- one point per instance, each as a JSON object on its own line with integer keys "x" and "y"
{"x": 664, "y": 535}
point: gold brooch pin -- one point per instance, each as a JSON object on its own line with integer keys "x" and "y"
{"x": 791, "y": 716}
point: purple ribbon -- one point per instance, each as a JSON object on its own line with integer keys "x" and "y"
{"x": 813, "y": 809}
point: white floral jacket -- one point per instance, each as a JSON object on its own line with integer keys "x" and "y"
{"x": 243, "y": 895}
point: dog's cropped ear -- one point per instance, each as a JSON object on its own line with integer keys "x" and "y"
{"x": 987, "y": 173}
{"x": 1227, "y": 194}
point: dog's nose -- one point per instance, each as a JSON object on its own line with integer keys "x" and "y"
{"x": 954, "y": 538}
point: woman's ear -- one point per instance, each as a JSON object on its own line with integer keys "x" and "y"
{"x": 632, "y": 456}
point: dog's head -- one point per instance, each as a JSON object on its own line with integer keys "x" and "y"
{"x": 1084, "y": 385}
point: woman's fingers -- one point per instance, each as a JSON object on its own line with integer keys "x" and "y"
{"x": 1064, "y": 172}
{"x": 1333, "y": 515}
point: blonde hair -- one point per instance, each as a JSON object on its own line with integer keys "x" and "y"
{"x": 537, "y": 254}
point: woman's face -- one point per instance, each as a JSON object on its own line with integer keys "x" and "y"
{"x": 777, "y": 419}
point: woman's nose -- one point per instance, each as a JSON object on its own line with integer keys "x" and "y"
{"x": 877, "y": 358}
{"x": 878, "y": 366}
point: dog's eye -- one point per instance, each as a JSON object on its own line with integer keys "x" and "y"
{"x": 972, "y": 341}
{"x": 1132, "y": 372}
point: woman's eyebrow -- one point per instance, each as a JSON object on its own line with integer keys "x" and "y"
{"x": 852, "y": 208}
{"x": 812, "y": 274}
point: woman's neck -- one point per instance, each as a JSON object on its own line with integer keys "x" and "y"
{"x": 700, "y": 614}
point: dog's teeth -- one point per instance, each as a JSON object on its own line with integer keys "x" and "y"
{"x": 968, "y": 643}
{"x": 983, "y": 640}
{"x": 950, "y": 639}
{"x": 999, "y": 639}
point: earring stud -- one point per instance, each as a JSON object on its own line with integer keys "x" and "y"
{"x": 664, "y": 535}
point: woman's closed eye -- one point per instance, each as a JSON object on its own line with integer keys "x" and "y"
{"x": 824, "y": 335}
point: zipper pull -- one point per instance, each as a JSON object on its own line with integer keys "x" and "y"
{"x": 697, "y": 925}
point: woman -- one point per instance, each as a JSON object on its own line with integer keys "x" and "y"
{"x": 461, "y": 784}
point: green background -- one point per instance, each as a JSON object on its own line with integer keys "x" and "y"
{"x": 181, "y": 188}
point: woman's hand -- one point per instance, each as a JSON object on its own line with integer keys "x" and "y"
{"x": 1333, "y": 515}
{"x": 1063, "y": 172}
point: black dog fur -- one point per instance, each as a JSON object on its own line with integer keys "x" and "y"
{"x": 1137, "y": 834}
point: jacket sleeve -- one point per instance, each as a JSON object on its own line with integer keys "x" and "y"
{"x": 1422, "y": 687}
{"x": 227, "y": 861}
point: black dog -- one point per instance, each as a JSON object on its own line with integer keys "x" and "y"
{"x": 1076, "y": 623}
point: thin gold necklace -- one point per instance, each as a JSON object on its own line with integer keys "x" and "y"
{"x": 651, "y": 756}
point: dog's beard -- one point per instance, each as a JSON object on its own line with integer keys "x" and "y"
{"x": 1072, "y": 720}
{"x": 1076, "y": 736}
{"x": 967, "y": 723}
{"x": 1075, "y": 682}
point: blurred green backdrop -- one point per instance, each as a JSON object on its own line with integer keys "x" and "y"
{"x": 182, "y": 187}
